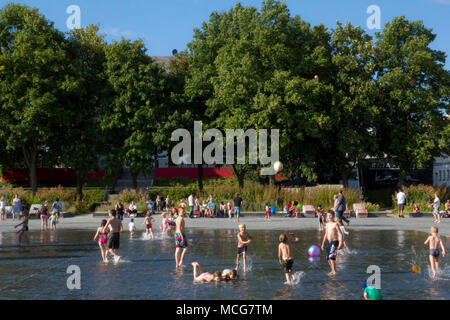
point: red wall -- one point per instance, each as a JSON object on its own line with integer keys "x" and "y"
{"x": 192, "y": 173}
{"x": 46, "y": 175}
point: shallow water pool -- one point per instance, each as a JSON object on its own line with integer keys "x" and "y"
{"x": 147, "y": 270}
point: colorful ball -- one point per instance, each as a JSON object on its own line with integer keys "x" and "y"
{"x": 314, "y": 251}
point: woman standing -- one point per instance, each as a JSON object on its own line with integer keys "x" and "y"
{"x": 119, "y": 210}
{"x": 44, "y": 216}
{"x": 16, "y": 206}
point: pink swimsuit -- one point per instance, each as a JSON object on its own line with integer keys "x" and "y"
{"x": 102, "y": 238}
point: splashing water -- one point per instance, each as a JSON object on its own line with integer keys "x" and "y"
{"x": 249, "y": 263}
{"x": 298, "y": 278}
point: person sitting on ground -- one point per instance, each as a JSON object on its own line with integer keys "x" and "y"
{"x": 204, "y": 208}
{"x": 447, "y": 209}
{"x": 206, "y": 276}
{"x": 132, "y": 209}
{"x": 212, "y": 207}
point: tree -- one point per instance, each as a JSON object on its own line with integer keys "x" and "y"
{"x": 82, "y": 141}
{"x": 33, "y": 69}
{"x": 130, "y": 118}
{"x": 414, "y": 92}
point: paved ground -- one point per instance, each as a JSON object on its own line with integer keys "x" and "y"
{"x": 87, "y": 222}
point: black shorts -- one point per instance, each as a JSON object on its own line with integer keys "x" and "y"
{"x": 288, "y": 264}
{"x": 332, "y": 250}
{"x": 113, "y": 241}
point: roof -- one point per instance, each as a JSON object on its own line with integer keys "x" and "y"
{"x": 163, "y": 60}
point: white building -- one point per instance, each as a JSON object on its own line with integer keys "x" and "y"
{"x": 441, "y": 172}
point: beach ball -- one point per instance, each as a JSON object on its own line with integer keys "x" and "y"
{"x": 278, "y": 166}
{"x": 415, "y": 269}
{"x": 313, "y": 251}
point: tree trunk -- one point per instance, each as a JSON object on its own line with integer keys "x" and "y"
{"x": 79, "y": 192}
{"x": 272, "y": 180}
{"x": 30, "y": 155}
{"x": 134, "y": 177}
{"x": 241, "y": 181}
{"x": 344, "y": 176}
{"x": 401, "y": 179}
{"x": 200, "y": 178}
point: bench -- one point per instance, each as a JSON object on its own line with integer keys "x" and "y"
{"x": 360, "y": 210}
{"x": 309, "y": 211}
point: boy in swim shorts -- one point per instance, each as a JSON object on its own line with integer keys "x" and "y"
{"x": 243, "y": 240}
{"x": 148, "y": 223}
{"x": 24, "y": 228}
{"x": 334, "y": 236}
{"x": 181, "y": 242}
{"x": 114, "y": 228}
{"x": 286, "y": 254}
{"x": 434, "y": 241}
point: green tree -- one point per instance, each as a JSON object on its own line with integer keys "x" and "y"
{"x": 82, "y": 141}
{"x": 137, "y": 98}
{"x": 414, "y": 92}
{"x": 33, "y": 82}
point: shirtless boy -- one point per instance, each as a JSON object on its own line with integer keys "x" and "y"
{"x": 334, "y": 237}
{"x": 114, "y": 228}
{"x": 286, "y": 254}
{"x": 181, "y": 242}
{"x": 243, "y": 240}
{"x": 434, "y": 241}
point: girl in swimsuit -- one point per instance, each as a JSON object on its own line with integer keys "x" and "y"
{"x": 102, "y": 239}
{"x": 44, "y": 216}
{"x": 206, "y": 276}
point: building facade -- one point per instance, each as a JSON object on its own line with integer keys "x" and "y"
{"x": 441, "y": 172}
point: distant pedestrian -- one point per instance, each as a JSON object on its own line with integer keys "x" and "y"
{"x": 401, "y": 202}
{"x": 237, "y": 207}
{"x": 436, "y": 204}
{"x": 341, "y": 207}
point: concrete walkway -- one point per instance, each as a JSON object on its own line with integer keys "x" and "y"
{"x": 88, "y": 222}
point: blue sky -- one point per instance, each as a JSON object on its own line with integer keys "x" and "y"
{"x": 167, "y": 25}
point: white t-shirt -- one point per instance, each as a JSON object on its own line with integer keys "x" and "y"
{"x": 2, "y": 204}
{"x": 131, "y": 226}
{"x": 437, "y": 203}
{"x": 401, "y": 198}
{"x": 132, "y": 207}
{"x": 191, "y": 201}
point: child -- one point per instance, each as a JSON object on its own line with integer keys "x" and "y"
{"x": 320, "y": 217}
{"x": 222, "y": 209}
{"x": 286, "y": 254}
{"x": 333, "y": 235}
{"x": 132, "y": 227}
{"x": 53, "y": 220}
{"x": 24, "y": 225}
{"x": 416, "y": 208}
{"x": 44, "y": 216}
{"x": 102, "y": 240}
{"x": 163, "y": 225}
{"x": 267, "y": 216}
{"x": 148, "y": 222}
{"x": 344, "y": 233}
{"x": 114, "y": 228}
{"x": 436, "y": 205}
{"x": 229, "y": 209}
{"x": 2, "y": 208}
{"x": 228, "y": 274}
{"x": 434, "y": 241}
{"x": 206, "y": 276}
{"x": 243, "y": 240}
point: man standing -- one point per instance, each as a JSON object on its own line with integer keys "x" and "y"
{"x": 341, "y": 207}
{"x": 401, "y": 201}
{"x": 436, "y": 206}
{"x": 237, "y": 207}
{"x": 181, "y": 242}
{"x": 191, "y": 205}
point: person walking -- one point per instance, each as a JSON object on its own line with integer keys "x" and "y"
{"x": 341, "y": 206}
{"x": 401, "y": 201}
{"x": 191, "y": 205}
{"x": 237, "y": 207}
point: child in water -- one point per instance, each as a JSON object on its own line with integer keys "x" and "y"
{"x": 243, "y": 240}
{"x": 344, "y": 233}
{"x": 321, "y": 217}
{"x": 230, "y": 209}
{"x": 334, "y": 237}
{"x": 286, "y": 254}
{"x": 102, "y": 239}
{"x": 53, "y": 220}
{"x": 434, "y": 241}
{"x": 132, "y": 227}
{"x": 148, "y": 222}
{"x": 206, "y": 276}
{"x": 24, "y": 225}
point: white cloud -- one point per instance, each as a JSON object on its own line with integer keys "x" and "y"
{"x": 116, "y": 32}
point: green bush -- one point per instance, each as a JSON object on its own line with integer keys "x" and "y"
{"x": 422, "y": 196}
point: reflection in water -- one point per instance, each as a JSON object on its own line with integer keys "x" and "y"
{"x": 149, "y": 271}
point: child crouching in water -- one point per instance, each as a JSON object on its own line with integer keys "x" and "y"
{"x": 24, "y": 225}
{"x": 286, "y": 255}
{"x": 435, "y": 242}
{"x": 102, "y": 239}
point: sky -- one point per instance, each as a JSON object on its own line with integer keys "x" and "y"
{"x": 168, "y": 24}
